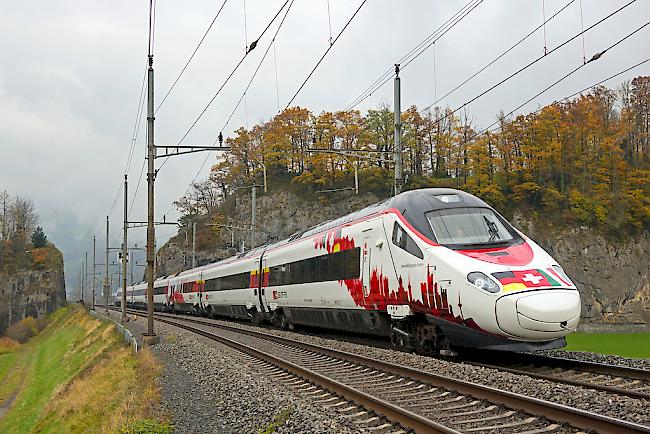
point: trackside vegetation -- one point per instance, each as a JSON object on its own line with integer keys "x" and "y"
{"x": 77, "y": 375}
{"x": 635, "y": 345}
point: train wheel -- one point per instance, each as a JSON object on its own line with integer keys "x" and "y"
{"x": 404, "y": 335}
{"x": 257, "y": 318}
{"x": 279, "y": 320}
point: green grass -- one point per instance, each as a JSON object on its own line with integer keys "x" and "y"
{"x": 635, "y": 345}
{"x": 7, "y": 361}
{"x": 76, "y": 376}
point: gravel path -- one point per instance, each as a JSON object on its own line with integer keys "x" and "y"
{"x": 634, "y": 410}
{"x": 210, "y": 388}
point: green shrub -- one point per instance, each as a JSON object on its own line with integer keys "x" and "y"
{"x": 23, "y": 330}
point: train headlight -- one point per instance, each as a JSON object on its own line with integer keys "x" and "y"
{"x": 483, "y": 282}
{"x": 562, "y": 274}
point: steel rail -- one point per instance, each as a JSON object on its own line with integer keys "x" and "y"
{"x": 559, "y": 413}
{"x": 392, "y": 412}
{"x": 600, "y": 368}
{"x": 610, "y": 370}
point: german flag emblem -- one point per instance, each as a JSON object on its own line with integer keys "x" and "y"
{"x": 518, "y": 280}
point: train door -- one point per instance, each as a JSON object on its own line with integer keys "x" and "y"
{"x": 263, "y": 283}
{"x": 373, "y": 250}
{"x": 258, "y": 291}
{"x": 200, "y": 288}
{"x": 408, "y": 259}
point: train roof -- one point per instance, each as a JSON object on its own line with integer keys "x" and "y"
{"x": 412, "y": 203}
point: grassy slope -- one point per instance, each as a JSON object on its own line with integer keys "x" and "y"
{"x": 78, "y": 377}
{"x": 635, "y": 345}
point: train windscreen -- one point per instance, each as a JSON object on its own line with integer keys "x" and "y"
{"x": 469, "y": 227}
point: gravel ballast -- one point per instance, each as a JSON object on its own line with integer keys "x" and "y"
{"x": 620, "y": 407}
{"x": 208, "y": 387}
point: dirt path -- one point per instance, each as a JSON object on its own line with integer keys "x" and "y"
{"x": 8, "y": 402}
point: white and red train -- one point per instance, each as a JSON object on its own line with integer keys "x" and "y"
{"x": 431, "y": 269}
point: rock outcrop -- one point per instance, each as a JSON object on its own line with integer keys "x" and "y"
{"x": 32, "y": 292}
{"x": 612, "y": 275}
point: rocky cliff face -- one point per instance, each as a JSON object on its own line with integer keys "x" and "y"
{"x": 31, "y": 293}
{"x": 612, "y": 276}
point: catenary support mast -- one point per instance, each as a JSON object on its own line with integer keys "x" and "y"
{"x": 150, "y": 337}
{"x": 94, "y": 272}
{"x": 106, "y": 286}
{"x": 125, "y": 248}
{"x": 397, "y": 151}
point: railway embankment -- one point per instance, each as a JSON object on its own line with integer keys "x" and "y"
{"x": 215, "y": 388}
{"x": 209, "y": 387}
{"x": 77, "y": 375}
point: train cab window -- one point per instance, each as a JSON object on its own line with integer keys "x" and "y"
{"x": 403, "y": 240}
{"x": 470, "y": 226}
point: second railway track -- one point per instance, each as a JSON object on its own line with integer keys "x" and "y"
{"x": 621, "y": 380}
{"x": 417, "y": 400}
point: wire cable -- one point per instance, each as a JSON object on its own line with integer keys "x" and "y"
{"x": 250, "y": 48}
{"x": 191, "y": 56}
{"x": 595, "y": 57}
{"x": 419, "y": 48}
{"x": 496, "y": 59}
{"x": 259, "y": 65}
{"x": 494, "y": 86}
{"x": 325, "y": 54}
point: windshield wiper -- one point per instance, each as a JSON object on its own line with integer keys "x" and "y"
{"x": 492, "y": 229}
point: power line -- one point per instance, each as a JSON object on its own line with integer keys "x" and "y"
{"x": 388, "y": 73}
{"x": 496, "y": 59}
{"x": 419, "y": 49}
{"x": 449, "y": 113}
{"x": 325, "y": 54}
{"x": 191, "y": 56}
{"x": 259, "y": 65}
{"x": 150, "y": 45}
{"x": 250, "y": 48}
{"x": 595, "y": 57}
{"x": 138, "y": 118}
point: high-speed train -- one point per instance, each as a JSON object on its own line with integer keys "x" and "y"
{"x": 432, "y": 269}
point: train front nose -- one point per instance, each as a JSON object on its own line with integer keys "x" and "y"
{"x": 542, "y": 314}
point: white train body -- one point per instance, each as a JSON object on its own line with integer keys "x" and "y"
{"x": 430, "y": 268}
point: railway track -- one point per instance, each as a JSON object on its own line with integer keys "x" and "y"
{"x": 413, "y": 399}
{"x": 621, "y": 380}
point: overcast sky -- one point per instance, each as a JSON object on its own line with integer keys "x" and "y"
{"x": 71, "y": 73}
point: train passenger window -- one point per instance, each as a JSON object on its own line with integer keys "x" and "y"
{"x": 402, "y": 240}
{"x": 341, "y": 265}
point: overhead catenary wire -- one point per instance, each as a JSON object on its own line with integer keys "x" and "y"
{"x": 325, "y": 54}
{"x": 232, "y": 73}
{"x": 198, "y": 45}
{"x": 533, "y": 62}
{"x": 500, "y": 56}
{"x": 259, "y": 65}
{"x": 138, "y": 118}
{"x": 494, "y": 127}
{"x": 239, "y": 101}
{"x": 140, "y": 110}
{"x": 594, "y": 58}
{"x": 388, "y": 73}
{"x": 416, "y": 51}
